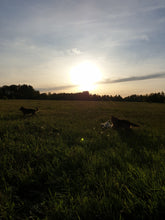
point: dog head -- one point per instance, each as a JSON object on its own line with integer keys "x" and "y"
{"x": 113, "y": 118}
{"x": 21, "y": 108}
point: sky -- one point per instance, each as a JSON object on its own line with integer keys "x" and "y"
{"x": 119, "y": 44}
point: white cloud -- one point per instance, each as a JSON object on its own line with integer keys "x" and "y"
{"x": 74, "y": 51}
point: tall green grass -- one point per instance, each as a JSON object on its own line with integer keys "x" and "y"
{"x": 60, "y": 164}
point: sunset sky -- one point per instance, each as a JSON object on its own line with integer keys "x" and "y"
{"x": 104, "y": 46}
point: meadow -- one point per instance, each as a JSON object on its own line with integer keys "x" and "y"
{"x": 60, "y": 164}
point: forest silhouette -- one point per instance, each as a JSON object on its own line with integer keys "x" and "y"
{"x": 28, "y": 92}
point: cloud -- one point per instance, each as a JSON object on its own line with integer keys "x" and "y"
{"x": 134, "y": 78}
{"x": 56, "y": 88}
{"x": 74, "y": 51}
{"x": 107, "y": 81}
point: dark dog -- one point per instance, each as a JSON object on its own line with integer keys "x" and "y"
{"x": 118, "y": 123}
{"x": 28, "y": 111}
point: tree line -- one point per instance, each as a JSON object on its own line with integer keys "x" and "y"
{"x": 28, "y": 92}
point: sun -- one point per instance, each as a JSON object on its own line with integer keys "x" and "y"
{"x": 85, "y": 75}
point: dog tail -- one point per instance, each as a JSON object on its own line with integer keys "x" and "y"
{"x": 37, "y": 109}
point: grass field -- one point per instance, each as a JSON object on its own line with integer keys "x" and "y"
{"x": 60, "y": 164}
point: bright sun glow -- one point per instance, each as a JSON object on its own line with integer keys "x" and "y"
{"x": 85, "y": 75}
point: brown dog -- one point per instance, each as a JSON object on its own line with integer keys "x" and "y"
{"x": 118, "y": 123}
{"x": 28, "y": 111}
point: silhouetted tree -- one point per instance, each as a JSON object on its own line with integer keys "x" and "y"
{"x": 27, "y": 92}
